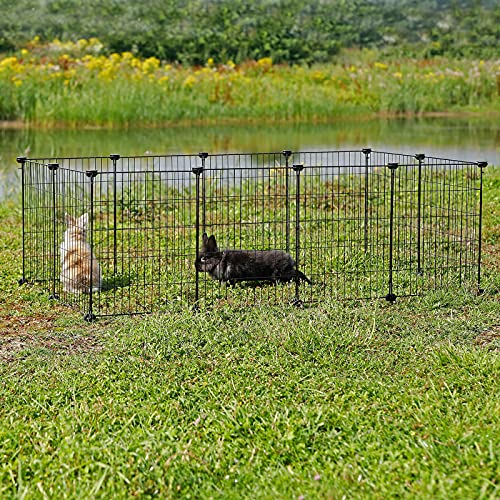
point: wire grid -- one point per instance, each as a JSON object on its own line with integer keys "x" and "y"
{"x": 246, "y": 203}
{"x": 38, "y": 227}
{"x": 344, "y": 221}
{"x": 451, "y": 224}
{"x": 146, "y": 228}
{"x": 359, "y": 224}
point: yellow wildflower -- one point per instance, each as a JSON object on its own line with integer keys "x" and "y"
{"x": 319, "y": 76}
{"x": 106, "y": 75}
{"x": 150, "y": 64}
{"x": 135, "y": 63}
{"x": 92, "y": 62}
{"x": 189, "y": 81}
{"x": 380, "y": 65}
{"x": 265, "y": 62}
{"x": 8, "y": 62}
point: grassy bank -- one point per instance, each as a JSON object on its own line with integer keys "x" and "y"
{"x": 355, "y": 399}
{"x": 73, "y": 84}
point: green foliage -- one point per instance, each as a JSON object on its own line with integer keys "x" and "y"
{"x": 290, "y": 31}
{"x": 120, "y": 90}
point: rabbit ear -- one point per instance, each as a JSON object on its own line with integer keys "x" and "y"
{"x": 212, "y": 244}
{"x": 70, "y": 220}
{"x": 83, "y": 220}
{"x": 204, "y": 242}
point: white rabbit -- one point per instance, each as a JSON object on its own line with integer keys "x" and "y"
{"x": 79, "y": 266}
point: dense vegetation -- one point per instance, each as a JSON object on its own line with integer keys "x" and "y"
{"x": 124, "y": 63}
{"x": 191, "y": 31}
{"x": 74, "y": 84}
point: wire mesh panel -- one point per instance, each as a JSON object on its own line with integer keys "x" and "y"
{"x": 246, "y": 204}
{"x": 161, "y": 231}
{"x": 38, "y": 218}
{"x": 145, "y": 229}
{"x": 344, "y": 207}
{"x": 451, "y": 222}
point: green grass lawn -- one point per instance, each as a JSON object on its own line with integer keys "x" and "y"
{"x": 354, "y": 399}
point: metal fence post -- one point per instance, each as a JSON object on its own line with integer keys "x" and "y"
{"x": 481, "y": 165}
{"x": 286, "y": 153}
{"x": 114, "y": 158}
{"x": 366, "y": 152}
{"x": 197, "y": 171}
{"x": 297, "y": 169}
{"x": 53, "y": 168}
{"x": 203, "y": 157}
{"x": 391, "y": 297}
{"x": 420, "y": 157}
{"x": 22, "y": 161}
{"x": 91, "y": 174}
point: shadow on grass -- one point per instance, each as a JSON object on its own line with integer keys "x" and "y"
{"x": 114, "y": 282}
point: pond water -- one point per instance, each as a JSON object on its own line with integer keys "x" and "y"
{"x": 463, "y": 138}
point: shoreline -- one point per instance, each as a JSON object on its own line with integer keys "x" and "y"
{"x": 24, "y": 125}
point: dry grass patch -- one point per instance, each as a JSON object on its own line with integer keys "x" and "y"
{"x": 490, "y": 339}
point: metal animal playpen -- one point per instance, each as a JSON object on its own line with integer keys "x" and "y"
{"x": 358, "y": 224}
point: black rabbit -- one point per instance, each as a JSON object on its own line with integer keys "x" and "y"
{"x": 246, "y": 265}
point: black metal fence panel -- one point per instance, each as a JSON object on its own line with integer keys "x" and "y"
{"x": 348, "y": 224}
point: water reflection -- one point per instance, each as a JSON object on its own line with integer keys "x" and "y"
{"x": 469, "y": 139}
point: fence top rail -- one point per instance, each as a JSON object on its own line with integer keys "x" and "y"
{"x": 54, "y": 158}
{"x": 35, "y": 163}
{"x": 197, "y": 155}
{"x": 308, "y": 169}
{"x": 61, "y": 168}
{"x": 413, "y": 157}
{"x": 450, "y": 161}
{"x": 410, "y": 158}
